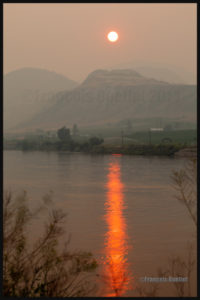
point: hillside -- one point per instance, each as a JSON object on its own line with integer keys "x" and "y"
{"x": 111, "y": 96}
{"x": 126, "y": 77}
{"x": 159, "y": 71}
{"x": 27, "y": 91}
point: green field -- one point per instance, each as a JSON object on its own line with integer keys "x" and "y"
{"x": 188, "y": 137}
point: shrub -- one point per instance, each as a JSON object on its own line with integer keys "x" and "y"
{"x": 42, "y": 268}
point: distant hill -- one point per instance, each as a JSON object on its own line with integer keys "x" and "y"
{"x": 168, "y": 73}
{"x": 111, "y": 96}
{"x": 124, "y": 77}
{"x": 163, "y": 74}
{"x": 27, "y": 91}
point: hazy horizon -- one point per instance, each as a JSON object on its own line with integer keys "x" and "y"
{"x": 70, "y": 39}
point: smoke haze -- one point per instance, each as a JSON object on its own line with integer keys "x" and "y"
{"x": 70, "y": 39}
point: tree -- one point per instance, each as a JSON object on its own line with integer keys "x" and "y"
{"x": 41, "y": 269}
{"x": 185, "y": 182}
{"x": 93, "y": 141}
{"x": 64, "y": 134}
{"x": 75, "y": 130}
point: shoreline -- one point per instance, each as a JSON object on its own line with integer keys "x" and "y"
{"x": 187, "y": 152}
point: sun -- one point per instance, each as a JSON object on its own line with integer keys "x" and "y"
{"x": 112, "y": 36}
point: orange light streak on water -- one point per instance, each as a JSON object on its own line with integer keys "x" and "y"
{"x": 116, "y": 246}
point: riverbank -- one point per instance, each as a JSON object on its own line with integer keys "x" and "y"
{"x": 148, "y": 150}
{"x": 187, "y": 152}
{"x": 178, "y": 150}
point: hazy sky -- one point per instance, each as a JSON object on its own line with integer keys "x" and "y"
{"x": 71, "y": 38}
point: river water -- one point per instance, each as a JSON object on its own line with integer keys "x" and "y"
{"x": 121, "y": 208}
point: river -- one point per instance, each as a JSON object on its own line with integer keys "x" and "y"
{"x": 121, "y": 208}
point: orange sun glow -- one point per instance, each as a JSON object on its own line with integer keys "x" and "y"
{"x": 112, "y": 36}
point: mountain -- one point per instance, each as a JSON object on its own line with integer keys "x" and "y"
{"x": 158, "y": 71}
{"x": 161, "y": 74}
{"x": 126, "y": 77}
{"x": 111, "y": 96}
{"x": 27, "y": 91}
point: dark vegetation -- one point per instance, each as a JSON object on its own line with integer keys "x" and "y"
{"x": 43, "y": 268}
{"x": 138, "y": 143}
{"x": 94, "y": 145}
{"x": 61, "y": 141}
{"x": 159, "y": 149}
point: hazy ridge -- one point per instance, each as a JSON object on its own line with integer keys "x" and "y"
{"x": 111, "y": 96}
{"x": 29, "y": 90}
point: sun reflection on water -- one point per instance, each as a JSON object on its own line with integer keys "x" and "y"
{"x": 116, "y": 267}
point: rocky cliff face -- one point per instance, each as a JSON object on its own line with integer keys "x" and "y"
{"x": 126, "y": 77}
{"x": 110, "y": 96}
